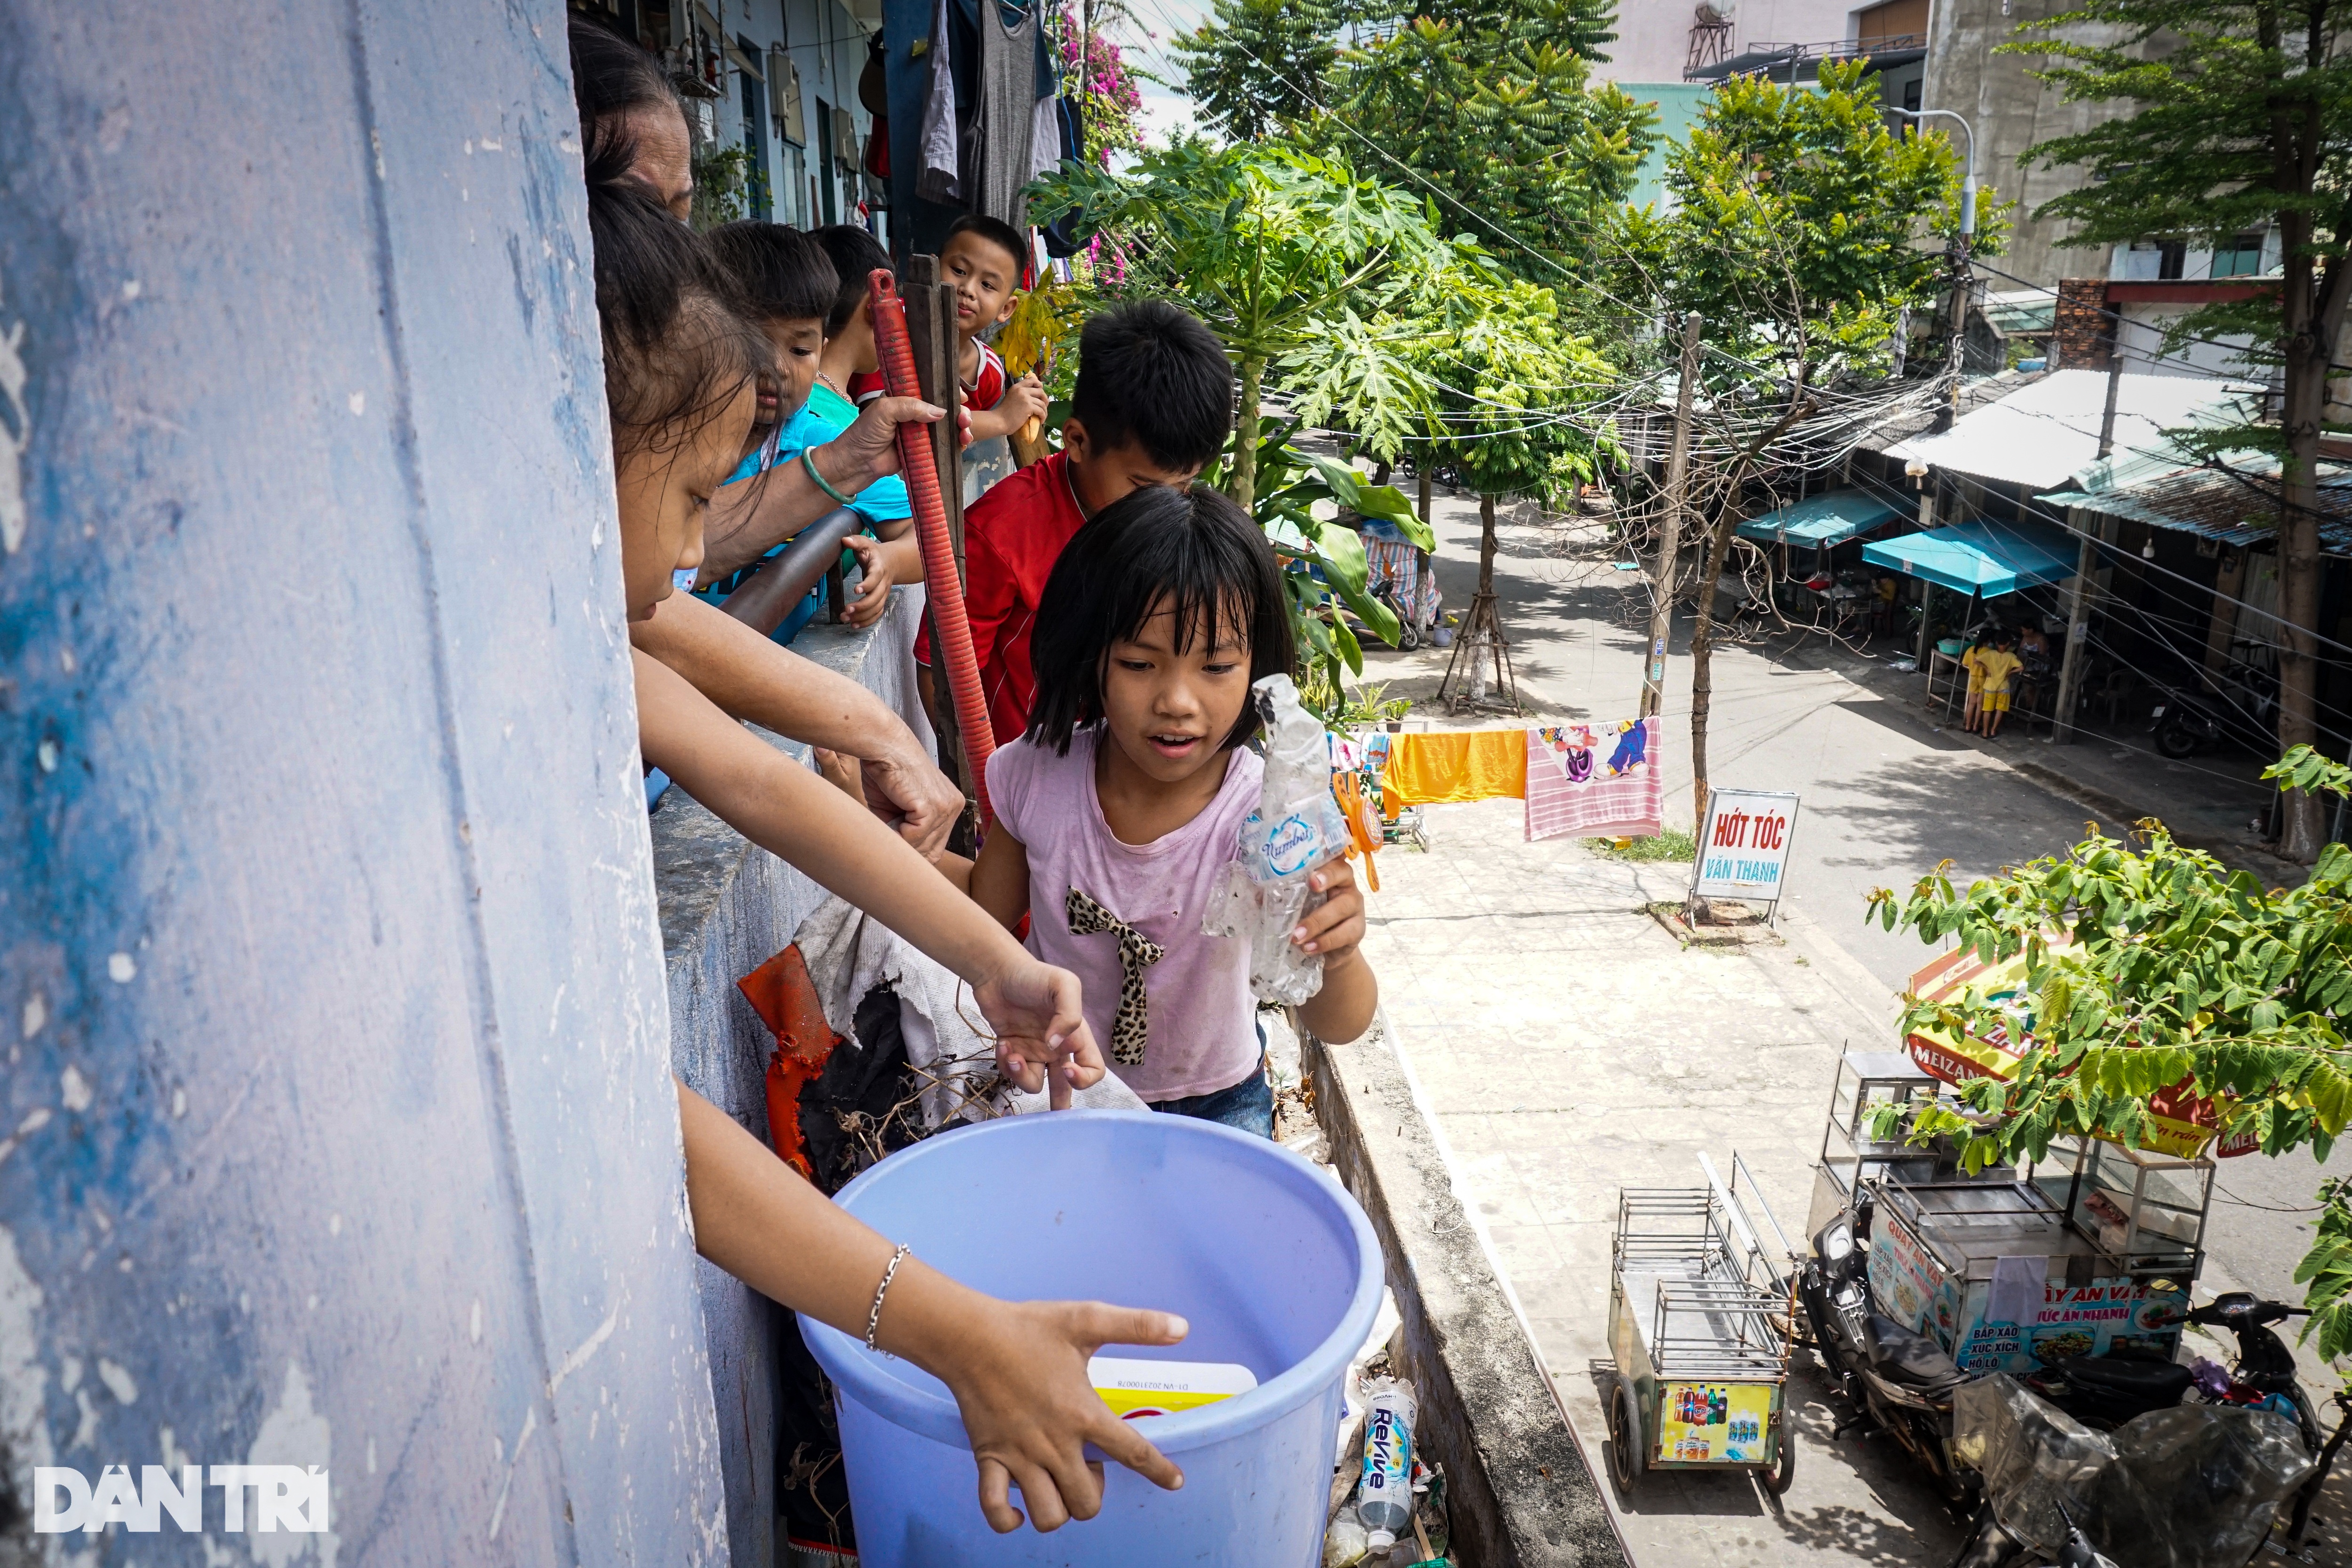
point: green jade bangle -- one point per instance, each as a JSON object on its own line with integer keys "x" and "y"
{"x": 808, "y": 462}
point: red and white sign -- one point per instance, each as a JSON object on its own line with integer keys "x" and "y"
{"x": 1744, "y": 851}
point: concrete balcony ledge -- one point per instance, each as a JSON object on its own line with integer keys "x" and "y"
{"x": 726, "y": 907}
{"x": 1519, "y": 1491}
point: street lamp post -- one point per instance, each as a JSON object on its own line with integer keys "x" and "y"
{"x": 1960, "y": 250}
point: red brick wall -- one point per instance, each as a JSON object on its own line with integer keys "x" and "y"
{"x": 2086, "y": 333}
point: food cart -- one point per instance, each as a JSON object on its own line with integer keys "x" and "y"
{"x": 2089, "y": 1250}
{"x": 1698, "y": 1312}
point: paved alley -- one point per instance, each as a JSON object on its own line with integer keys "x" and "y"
{"x": 1566, "y": 1045}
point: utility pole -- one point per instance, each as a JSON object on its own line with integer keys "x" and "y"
{"x": 2086, "y": 561}
{"x": 1960, "y": 250}
{"x": 1670, "y": 543}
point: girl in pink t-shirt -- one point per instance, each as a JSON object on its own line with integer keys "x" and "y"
{"x": 1117, "y": 809}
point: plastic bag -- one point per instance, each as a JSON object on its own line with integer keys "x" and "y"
{"x": 1263, "y": 891}
{"x": 2195, "y": 1486}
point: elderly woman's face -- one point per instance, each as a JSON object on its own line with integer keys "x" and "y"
{"x": 665, "y": 157}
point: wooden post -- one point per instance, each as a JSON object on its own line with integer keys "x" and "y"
{"x": 1670, "y": 542}
{"x": 2071, "y": 662}
{"x": 926, "y": 326}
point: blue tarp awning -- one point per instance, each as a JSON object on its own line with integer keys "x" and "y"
{"x": 1980, "y": 556}
{"x": 1826, "y": 520}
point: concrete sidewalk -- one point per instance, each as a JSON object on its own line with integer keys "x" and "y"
{"x": 1888, "y": 791}
{"x": 1565, "y": 1046}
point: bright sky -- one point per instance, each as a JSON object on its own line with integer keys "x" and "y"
{"x": 1165, "y": 107}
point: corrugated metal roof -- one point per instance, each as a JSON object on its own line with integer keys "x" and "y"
{"x": 2237, "y": 506}
{"x": 2045, "y": 433}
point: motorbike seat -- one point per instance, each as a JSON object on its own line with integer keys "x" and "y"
{"x": 2148, "y": 1382}
{"x": 1910, "y": 1360}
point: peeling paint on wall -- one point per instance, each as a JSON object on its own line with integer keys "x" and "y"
{"x": 16, "y": 429}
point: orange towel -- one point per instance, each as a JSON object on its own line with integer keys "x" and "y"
{"x": 1445, "y": 767}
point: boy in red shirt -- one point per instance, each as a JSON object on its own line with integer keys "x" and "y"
{"x": 1154, "y": 403}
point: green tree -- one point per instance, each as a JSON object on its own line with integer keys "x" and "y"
{"x": 1796, "y": 225}
{"x": 1282, "y": 253}
{"x": 2241, "y": 119}
{"x": 2149, "y": 971}
{"x": 1255, "y": 67}
{"x": 1491, "y": 107}
{"x": 1795, "y": 233}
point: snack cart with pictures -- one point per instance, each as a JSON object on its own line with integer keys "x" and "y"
{"x": 1698, "y": 1314}
{"x": 2088, "y": 1250}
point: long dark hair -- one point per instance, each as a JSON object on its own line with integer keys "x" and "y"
{"x": 1191, "y": 551}
{"x": 678, "y": 344}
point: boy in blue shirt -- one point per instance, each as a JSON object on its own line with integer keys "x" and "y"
{"x": 791, "y": 288}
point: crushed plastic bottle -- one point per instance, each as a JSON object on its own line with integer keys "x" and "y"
{"x": 1343, "y": 1543}
{"x": 1296, "y": 827}
{"x": 1384, "y": 1496}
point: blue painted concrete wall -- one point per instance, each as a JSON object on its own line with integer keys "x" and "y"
{"x": 336, "y": 1125}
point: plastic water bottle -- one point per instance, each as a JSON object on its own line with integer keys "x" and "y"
{"x": 1384, "y": 1496}
{"x": 1296, "y": 827}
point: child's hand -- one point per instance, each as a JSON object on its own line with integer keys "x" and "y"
{"x": 1024, "y": 401}
{"x": 840, "y": 770}
{"x": 1336, "y": 926}
{"x": 1042, "y": 1039}
{"x": 1019, "y": 1383}
{"x": 873, "y": 594}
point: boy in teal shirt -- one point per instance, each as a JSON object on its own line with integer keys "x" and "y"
{"x": 797, "y": 294}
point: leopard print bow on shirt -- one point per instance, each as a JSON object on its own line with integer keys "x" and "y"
{"x": 1137, "y": 952}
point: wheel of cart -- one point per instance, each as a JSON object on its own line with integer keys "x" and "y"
{"x": 1698, "y": 1313}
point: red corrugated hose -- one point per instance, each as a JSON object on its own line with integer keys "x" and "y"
{"x": 950, "y": 633}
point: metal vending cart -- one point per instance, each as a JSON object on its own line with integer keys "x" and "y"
{"x": 1698, "y": 1314}
{"x": 2089, "y": 1251}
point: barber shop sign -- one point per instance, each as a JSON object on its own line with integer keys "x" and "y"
{"x": 1743, "y": 851}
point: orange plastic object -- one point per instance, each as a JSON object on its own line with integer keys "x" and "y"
{"x": 952, "y": 633}
{"x": 782, "y": 993}
{"x": 1364, "y": 836}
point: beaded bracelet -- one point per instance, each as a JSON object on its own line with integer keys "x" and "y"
{"x": 874, "y": 1317}
{"x": 808, "y": 461}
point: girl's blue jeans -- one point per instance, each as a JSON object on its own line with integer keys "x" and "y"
{"x": 1248, "y": 1106}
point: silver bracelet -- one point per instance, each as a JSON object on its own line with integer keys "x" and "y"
{"x": 874, "y": 1318}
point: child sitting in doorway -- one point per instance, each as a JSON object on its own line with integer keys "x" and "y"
{"x": 1119, "y": 810}
{"x": 1154, "y": 403}
{"x": 986, "y": 260}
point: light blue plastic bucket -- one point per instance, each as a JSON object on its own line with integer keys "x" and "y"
{"x": 1270, "y": 1263}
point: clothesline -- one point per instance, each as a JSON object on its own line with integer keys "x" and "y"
{"x": 1575, "y": 777}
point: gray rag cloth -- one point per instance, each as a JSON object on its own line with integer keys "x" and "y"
{"x": 937, "y": 177}
{"x": 997, "y": 153}
{"x": 848, "y": 954}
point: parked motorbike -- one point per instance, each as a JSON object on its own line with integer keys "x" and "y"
{"x": 2105, "y": 1391}
{"x": 2241, "y": 709}
{"x": 1896, "y": 1380}
{"x": 2197, "y": 1486}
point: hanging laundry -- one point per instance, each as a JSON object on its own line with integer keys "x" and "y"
{"x": 1395, "y": 560}
{"x": 1594, "y": 779}
{"x": 1046, "y": 117}
{"x": 1061, "y": 239}
{"x": 1000, "y": 121}
{"x": 1448, "y": 766}
{"x": 937, "y": 177}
